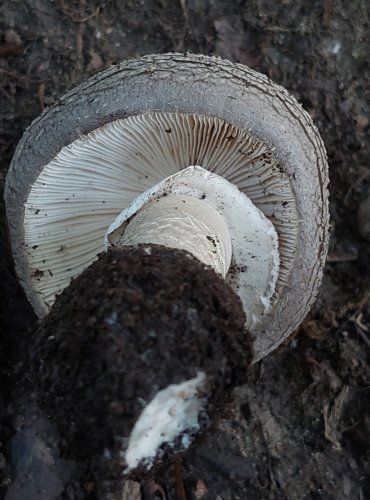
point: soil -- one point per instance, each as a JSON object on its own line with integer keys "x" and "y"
{"x": 300, "y": 427}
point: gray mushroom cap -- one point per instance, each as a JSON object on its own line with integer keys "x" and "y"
{"x": 196, "y": 110}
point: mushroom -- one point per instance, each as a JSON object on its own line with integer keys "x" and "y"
{"x": 95, "y": 168}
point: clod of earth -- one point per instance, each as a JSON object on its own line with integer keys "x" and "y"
{"x": 138, "y": 356}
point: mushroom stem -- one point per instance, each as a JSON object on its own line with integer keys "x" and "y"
{"x": 186, "y": 223}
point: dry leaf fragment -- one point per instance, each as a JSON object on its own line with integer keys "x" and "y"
{"x": 200, "y": 489}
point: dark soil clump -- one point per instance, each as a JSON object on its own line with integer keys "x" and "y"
{"x": 136, "y": 321}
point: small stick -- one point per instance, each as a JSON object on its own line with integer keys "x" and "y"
{"x": 179, "y": 481}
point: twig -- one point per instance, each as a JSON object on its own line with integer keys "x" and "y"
{"x": 79, "y": 48}
{"x": 364, "y": 337}
{"x": 75, "y": 17}
{"x": 332, "y": 418}
{"x": 360, "y": 324}
{"x": 356, "y": 318}
{"x": 345, "y": 257}
{"x": 179, "y": 481}
{"x": 6, "y": 94}
{"x": 41, "y": 95}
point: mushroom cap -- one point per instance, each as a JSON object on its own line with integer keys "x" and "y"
{"x": 284, "y": 170}
{"x": 139, "y": 324}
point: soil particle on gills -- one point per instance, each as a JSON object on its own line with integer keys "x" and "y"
{"x": 138, "y": 322}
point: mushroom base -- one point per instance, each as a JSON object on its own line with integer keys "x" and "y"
{"x": 135, "y": 322}
{"x": 172, "y": 412}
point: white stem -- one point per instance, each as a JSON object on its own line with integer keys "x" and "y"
{"x": 186, "y": 223}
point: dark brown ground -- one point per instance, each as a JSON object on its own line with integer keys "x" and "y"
{"x": 300, "y": 428}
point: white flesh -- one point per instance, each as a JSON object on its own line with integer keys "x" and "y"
{"x": 171, "y": 412}
{"x": 152, "y": 218}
